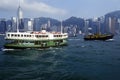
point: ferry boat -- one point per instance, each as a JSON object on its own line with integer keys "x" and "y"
{"x": 33, "y": 39}
{"x": 42, "y": 39}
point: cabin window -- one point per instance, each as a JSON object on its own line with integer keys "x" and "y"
{"x": 42, "y": 35}
{"x": 15, "y": 35}
{"x": 24, "y": 35}
{"x": 8, "y": 35}
{"x": 21, "y": 35}
{"x": 39, "y": 35}
{"x": 36, "y": 36}
{"x": 11, "y": 35}
{"x": 18, "y": 35}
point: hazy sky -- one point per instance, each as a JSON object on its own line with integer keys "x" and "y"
{"x": 59, "y": 9}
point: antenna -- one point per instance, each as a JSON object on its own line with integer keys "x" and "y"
{"x": 19, "y": 2}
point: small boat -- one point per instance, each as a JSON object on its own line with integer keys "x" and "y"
{"x": 98, "y": 37}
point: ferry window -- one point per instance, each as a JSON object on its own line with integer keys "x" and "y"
{"x": 36, "y": 36}
{"x": 21, "y": 35}
{"x": 8, "y": 35}
{"x": 18, "y": 35}
{"x": 24, "y": 35}
{"x": 15, "y": 35}
{"x": 12, "y": 35}
{"x": 42, "y": 35}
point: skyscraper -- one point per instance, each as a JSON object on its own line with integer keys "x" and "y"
{"x": 20, "y": 18}
{"x": 14, "y": 21}
{"x": 28, "y": 24}
{"x": 20, "y": 13}
{"x": 112, "y": 24}
{"x": 2, "y": 26}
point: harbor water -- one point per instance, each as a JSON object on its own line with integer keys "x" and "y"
{"x": 80, "y": 60}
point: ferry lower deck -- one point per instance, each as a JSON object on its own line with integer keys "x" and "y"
{"x": 23, "y": 44}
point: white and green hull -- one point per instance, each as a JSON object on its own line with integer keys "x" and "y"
{"x": 22, "y": 40}
{"x": 23, "y": 44}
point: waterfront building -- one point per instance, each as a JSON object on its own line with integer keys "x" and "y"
{"x": 14, "y": 23}
{"x": 112, "y": 25}
{"x": 28, "y": 24}
{"x": 2, "y": 26}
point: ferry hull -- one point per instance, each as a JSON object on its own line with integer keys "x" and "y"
{"x": 92, "y": 37}
{"x": 36, "y": 44}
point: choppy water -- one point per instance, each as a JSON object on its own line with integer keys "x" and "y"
{"x": 80, "y": 60}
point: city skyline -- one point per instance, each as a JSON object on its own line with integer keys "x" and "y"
{"x": 58, "y": 9}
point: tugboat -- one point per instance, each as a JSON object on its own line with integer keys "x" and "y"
{"x": 41, "y": 39}
{"x": 98, "y": 37}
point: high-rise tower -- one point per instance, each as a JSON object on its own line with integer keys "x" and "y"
{"x": 112, "y": 22}
{"x": 19, "y": 18}
{"x": 19, "y": 13}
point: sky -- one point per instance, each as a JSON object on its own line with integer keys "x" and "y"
{"x": 58, "y": 9}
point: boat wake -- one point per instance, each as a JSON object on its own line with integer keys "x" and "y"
{"x": 74, "y": 39}
{"x": 6, "y": 49}
{"x": 110, "y": 40}
{"x": 3, "y": 49}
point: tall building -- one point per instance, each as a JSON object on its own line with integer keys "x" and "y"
{"x": 86, "y": 27}
{"x": 36, "y": 24}
{"x": 112, "y": 24}
{"x": 14, "y": 24}
{"x": 20, "y": 13}
{"x": 49, "y": 24}
{"x": 28, "y": 24}
{"x": 8, "y": 25}
{"x": 20, "y": 19}
{"x": 2, "y": 26}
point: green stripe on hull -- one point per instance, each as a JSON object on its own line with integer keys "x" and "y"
{"x": 35, "y": 44}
